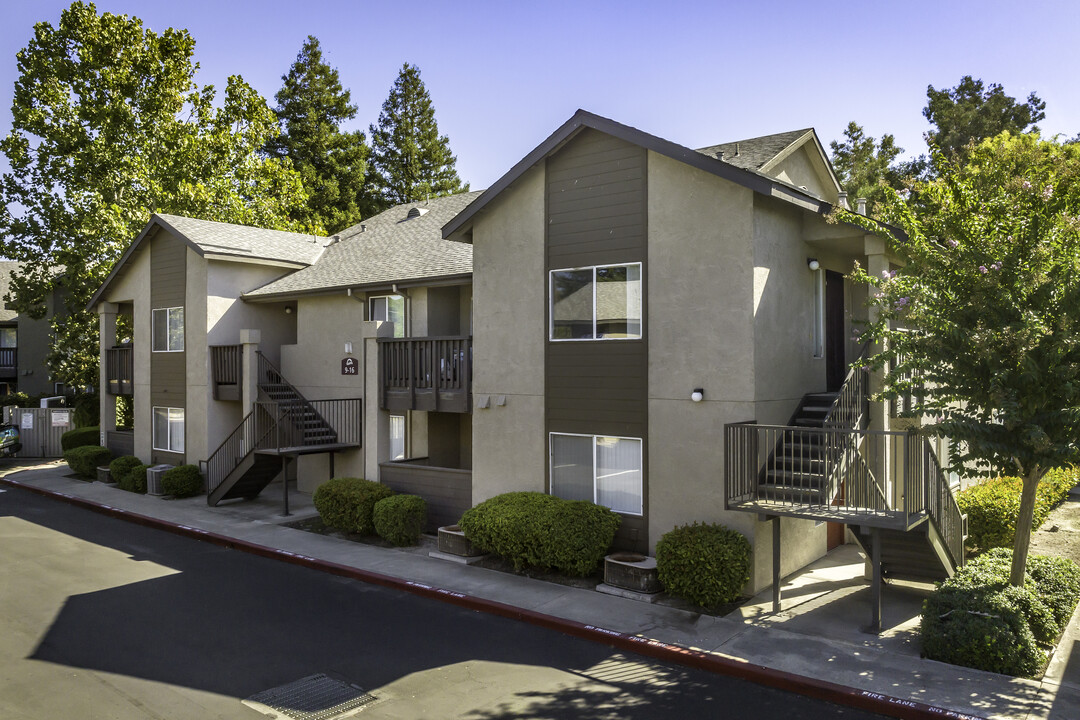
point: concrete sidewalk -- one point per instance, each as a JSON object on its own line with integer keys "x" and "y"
{"x": 816, "y": 636}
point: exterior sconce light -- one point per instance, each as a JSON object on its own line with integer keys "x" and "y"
{"x": 288, "y": 310}
{"x": 698, "y": 395}
{"x": 812, "y": 263}
{"x": 348, "y": 348}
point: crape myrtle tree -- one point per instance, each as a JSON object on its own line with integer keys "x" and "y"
{"x": 991, "y": 291}
{"x": 409, "y": 159}
{"x": 312, "y": 105}
{"x": 108, "y": 127}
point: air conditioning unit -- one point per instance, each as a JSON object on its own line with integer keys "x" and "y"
{"x": 153, "y": 479}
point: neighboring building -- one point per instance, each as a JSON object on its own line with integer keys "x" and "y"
{"x": 25, "y": 343}
{"x": 618, "y": 276}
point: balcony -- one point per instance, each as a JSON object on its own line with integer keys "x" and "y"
{"x": 432, "y": 374}
{"x": 120, "y": 370}
{"x": 9, "y": 362}
{"x": 226, "y": 371}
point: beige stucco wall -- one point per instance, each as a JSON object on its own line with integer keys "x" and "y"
{"x": 509, "y": 301}
{"x": 133, "y": 286}
{"x": 802, "y": 170}
{"x": 324, "y": 323}
{"x": 700, "y": 330}
{"x": 197, "y": 418}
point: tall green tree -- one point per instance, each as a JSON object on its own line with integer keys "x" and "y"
{"x": 409, "y": 159}
{"x": 991, "y": 287}
{"x": 866, "y": 167}
{"x": 312, "y": 105}
{"x": 971, "y": 112}
{"x": 108, "y": 127}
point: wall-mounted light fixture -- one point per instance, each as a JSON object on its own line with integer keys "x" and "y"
{"x": 698, "y": 395}
{"x": 812, "y": 263}
{"x": 288, "y": 310}
{"x": 348, "y": 348}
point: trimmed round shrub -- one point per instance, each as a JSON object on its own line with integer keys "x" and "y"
{"x": 80, "y": 437}
{"x": 978, "y": 620}
{"x": 182, "y": 481}
{"x": 707, "y": 564}
{"x": 121, "y": 467}
{"x": 84, "y": 460}
{"x": 993, "y": 506}
{"x": 538, "y": 530}
{"x": 348, "y": 504}
{"x": 400, "y": 518}
{"x": 135, "y": 480}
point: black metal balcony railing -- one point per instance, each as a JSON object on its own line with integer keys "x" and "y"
{"x": 9, "y": 358}
{"x": 433, "y": 373}
{"x": 120, "y": 370}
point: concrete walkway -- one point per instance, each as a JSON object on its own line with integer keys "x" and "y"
{"x": 816, "y": 638}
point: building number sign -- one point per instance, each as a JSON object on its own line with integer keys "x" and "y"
{"x": 349, "y": 366}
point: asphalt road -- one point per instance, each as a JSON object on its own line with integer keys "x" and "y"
{"x": 103, "y": 618}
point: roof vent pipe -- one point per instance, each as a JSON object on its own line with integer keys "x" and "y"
{"x": 736, "y": 149}
{"x": 842, "y": 200}
{"x": 720, "y": 155}
{"x": 861, "y": 205}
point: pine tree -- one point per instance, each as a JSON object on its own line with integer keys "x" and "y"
{"x": 312, "y": 105}
{"x": 864, "y": 166}
{"x": 409, "y": 159}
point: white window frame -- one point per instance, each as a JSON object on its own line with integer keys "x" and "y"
{"x": 596, "y": 490}
{"x": 399, "y": 328}
{"x": 594, "y": 268}
{"x": 153, "y": 330}
{"x": 404, "y": 437}
{"x": 169, "y": 422}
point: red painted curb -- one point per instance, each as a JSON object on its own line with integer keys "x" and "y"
{"x": 676, "y": 654}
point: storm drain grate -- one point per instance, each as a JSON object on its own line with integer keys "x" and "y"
{"x": 316, "y": 697}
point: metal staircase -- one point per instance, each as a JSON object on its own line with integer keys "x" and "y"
{"x": 283, "y": 424}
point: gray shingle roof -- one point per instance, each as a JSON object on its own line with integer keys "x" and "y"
{"x": 243, "y": 241}
{"x": 388, "y": 248}
{"x": 754, "y": 153}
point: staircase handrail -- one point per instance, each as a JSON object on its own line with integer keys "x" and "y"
{"x": 940, "y": 504}
{"x": 269, "y": 374}
{"x": 244, "y": 439}
{"x": 849, "y": 408}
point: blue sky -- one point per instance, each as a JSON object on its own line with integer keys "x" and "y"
{"x": 504, "y": 75}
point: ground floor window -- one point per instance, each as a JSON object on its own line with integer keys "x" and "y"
{"x": 169, "y": 429}
{"x": 397, "y": 437}
{"x": 598, "y": 468}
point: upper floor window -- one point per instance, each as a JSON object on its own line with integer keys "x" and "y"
{"x": 388, "y": 308}
{"x": 602, "y": 302}
{"x": 9, "y": 337}
{"x": 168, "y": 329}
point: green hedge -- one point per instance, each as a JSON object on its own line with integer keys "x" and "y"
{"x": 121, "y": 468}
{"x": 87, "y": 410}
{"x": 992, "y": 506}
{"x": 976, "y": 619}
{"x": 182, "y": 481}
{"x": 348, "y": 504}
{"x": 706, "y": 564}
{"x": 534, "y": 529}
{"x": 80, "y": 437}
{"x": 400, "y": 519}
{"x": 85, "y": 459}
{"x": 135, "y": 480}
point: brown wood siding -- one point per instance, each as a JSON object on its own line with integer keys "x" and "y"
{"x": 596, "y": 215}
{"x": 447, "y": 492}
{"x": 168, "y": 288}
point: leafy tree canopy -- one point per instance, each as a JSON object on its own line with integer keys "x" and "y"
{"x": 972, "y": 112}
{"x": 409, "y": 159}
{"x": 864, "y": 166}
{"x": 312, "y": 105}
{"x": 108, "y": 127}
{"x": 991, "y": 290}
